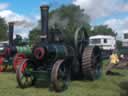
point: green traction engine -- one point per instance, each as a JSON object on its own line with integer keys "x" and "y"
{"x": 56, "y": 61}
{"x": 9, "y": 56}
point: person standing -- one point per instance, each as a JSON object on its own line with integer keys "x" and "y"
{"x": 113, "y": 62}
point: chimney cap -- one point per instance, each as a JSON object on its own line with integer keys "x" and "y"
{"x": 11, "y": 23}
{"x": 44, "y": 7}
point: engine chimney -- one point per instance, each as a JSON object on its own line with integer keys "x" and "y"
{"x": 44, "y": 21}
{"x": 10, "y": 34}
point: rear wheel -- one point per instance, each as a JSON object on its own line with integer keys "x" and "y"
{"x": 60, "y": 75}
{"x": 18, "y": 60}
{"x": 91, "y": 63}
{"x": 23, "y": 74}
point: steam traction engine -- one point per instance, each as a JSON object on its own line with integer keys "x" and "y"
{"x": 55, "y": 61}
{"x": 7, "y": 56}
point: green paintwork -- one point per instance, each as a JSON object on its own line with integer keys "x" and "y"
{"x": 56, "y": 51}
{"x": 41, "y": 75}
{"x": 24, "y": 49}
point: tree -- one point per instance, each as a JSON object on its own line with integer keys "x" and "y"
{"x": 102, "y": 30}
{"x": 3, "y": 30}
{"x": 67, "y": 19}
{"x": 34, "y": 35}
{"x": 118, "y": 44}
{"x": 19, "y": 41}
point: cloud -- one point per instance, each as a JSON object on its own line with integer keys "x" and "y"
{"x": 4, "y": 5}
{"x": 123, "y": 7}
{"x": 100, "y": 8}
{"x": 22, "y": 23}
{"x": 22, "y": 31}
{"x": 118, "y": 25}
{"x": 17, "y": 18}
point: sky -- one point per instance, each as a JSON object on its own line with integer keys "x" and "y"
{"x": 113, "y": 13}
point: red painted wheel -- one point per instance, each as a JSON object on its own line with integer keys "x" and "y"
{"x": 1, "y": 64}
{"x": 23, "y": 74}
{"x": 17, "y": 60}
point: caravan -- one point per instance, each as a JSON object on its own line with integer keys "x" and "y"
{"x": 105, "y": 42}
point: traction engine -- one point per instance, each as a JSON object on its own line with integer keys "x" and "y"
{"x": 57, "y": 62}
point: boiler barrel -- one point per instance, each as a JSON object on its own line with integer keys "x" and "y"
{"x": 24, "y": 49}
{"x": 56, "y": 51}
{"x": 53, "y": 52}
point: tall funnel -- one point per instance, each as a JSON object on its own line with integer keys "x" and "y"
{"x": 44, "y": 21}
{"x": 10, "y": 34}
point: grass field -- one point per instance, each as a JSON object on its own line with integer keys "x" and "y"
{"x": 106, "y": 86}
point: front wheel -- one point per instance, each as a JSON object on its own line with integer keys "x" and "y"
{"x": 60, "y": 75}
{"x": 18, "y": 59}
{"x": 23, "y": 75}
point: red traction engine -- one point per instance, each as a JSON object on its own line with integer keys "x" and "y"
{"x": 13, "y": 53}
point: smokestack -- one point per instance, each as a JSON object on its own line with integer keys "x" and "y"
{"x": 44, "y": 21}
{"x": 11, "y": 30}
